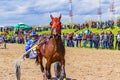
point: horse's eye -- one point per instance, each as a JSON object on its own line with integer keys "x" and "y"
{"x": 50, "y": 23}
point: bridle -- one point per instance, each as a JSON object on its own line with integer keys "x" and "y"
{"x": 55, "y": 26}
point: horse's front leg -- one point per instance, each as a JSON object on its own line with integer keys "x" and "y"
{"x": 48, "y": 72}
{"x": 63, "y": 73}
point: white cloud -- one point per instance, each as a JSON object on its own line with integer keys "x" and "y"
{"x": 35, "y": 12}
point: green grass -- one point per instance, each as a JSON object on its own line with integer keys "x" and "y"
{"x": 11, "y": 32}
{"x": 68, "y": 30}
{"x": 95, "y": 30}
{"x": 44, "y": 32}
{"x": 63, "y": 31}
{"x": 114, "y": 31}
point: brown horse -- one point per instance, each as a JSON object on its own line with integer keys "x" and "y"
{"x": 53, "y": 51}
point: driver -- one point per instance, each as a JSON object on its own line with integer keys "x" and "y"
{"x": 30, "y": 44}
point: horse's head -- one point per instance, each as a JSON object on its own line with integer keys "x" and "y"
{"x": 55, "y": 25}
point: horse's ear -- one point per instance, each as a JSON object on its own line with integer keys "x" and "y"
{"x": 51, "y": 16}
{"x": 60, "y": 16}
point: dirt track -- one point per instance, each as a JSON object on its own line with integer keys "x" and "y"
{"x": 81, "y": 64}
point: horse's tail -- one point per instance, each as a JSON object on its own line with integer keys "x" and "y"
{"x": 17, "y": 70}
{"x": 37, "y": 60}
{"x": 17, "y": 65}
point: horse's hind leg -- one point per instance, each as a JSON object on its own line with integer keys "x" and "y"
{"x": 40, "y": 57}
{"x": 39, "y": 60}
{"x": 41, "y": 65}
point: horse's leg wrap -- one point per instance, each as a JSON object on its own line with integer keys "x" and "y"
{"x": 63, "y": 74}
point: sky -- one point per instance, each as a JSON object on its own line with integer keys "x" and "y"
{"x": 37, "y": 12}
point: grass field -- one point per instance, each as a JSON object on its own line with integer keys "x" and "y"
{"x": 114, "y": 30}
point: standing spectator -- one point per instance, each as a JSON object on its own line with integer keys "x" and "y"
{"x": 12, "y": 39}
{"x": 1, "y": 39}
{"x": 84, "y": 38}
{"x": 105, "y": 40}
{"x": 96, "y": 39}
{"x": 116, "y": 43}
{"x": 25, "y": 38}
{"x": 110, "y": 40}
{"x": 118, "y": 23}
{"x": 67, "y": 40}
{"x": 5, "y": 38}
{"x": 101, "y": 25}
{"x": 79, "y": 39}
{"x": 71, "y": 44}
{"x": 90, "y": 36}
{"x": 101, "y": 40}
{"x": 75, "y": 40}
{"x": 118, "y": 39}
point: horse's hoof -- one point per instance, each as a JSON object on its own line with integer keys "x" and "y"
{"x": 61, "y": 78}
{"x": 48, "y": 75}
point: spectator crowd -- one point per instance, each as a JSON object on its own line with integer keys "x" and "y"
{"x": 104, "y": 40}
